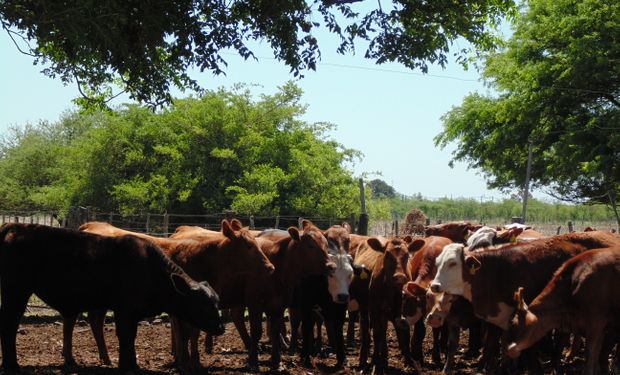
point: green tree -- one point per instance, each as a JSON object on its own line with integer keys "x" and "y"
{"x": 220, "y": 151}
{"x": 381, "y": 189}
{"x": 558, "y": 86}
{"x": 147, "y": 47}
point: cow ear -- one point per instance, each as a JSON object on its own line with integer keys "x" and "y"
{"x": 227, "y": 229}
{"x": 376, "y": 244}
{"x": 236, "y": 224}
{"x": 305, "y": 223}
{"x": 294, "y": 233}
{"x": 518, "y": 297}
{"x": 472, "y": 263}
{"x": 412, "y": 288}
{"x": 416, "y": 245}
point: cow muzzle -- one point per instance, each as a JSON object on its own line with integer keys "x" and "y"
{"x": 342, "y": 298}
{"x": 436, "y": 287}
{"x": 400, "y": 279}
{"x": 434, "y": 320}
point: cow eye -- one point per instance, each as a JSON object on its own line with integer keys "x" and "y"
{"x": 451, "y": 264}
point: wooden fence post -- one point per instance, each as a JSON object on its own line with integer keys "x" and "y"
{"x": 570, "y": 227}
{"x": 148, "y": 223}
{"x": 251, "y": 221}
{"x": 277, "y": 226}
{"x": 165, "y": 224}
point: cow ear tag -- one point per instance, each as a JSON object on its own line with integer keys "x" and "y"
{"x": 472, "y": 269}
{"x": 513, "y": 239}
{"x": 363, "y": 275}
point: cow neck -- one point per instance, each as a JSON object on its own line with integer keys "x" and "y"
{"x": 426, "y": 270}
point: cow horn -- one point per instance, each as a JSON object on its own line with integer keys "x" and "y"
{"x": 521, "y": 305}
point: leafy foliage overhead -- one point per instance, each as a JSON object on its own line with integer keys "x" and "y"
{"x": 149, "y": 46}
{"x": 558, "y": 88}
{"x": 222, "y": 151}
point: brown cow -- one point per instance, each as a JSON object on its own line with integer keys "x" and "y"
{"x": 422, "y": 269}
{"x": 380, "y": 297}
{"x": 73, "y": 272}
{"x": 457, "y": 231}
{"x": 488, "y": 278}
{"x": 302, "y": 265}
{"x": 226, "y": 259}
{"x": 583, "y": 296}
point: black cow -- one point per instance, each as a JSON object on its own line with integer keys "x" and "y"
{"x": 73, "y": 272}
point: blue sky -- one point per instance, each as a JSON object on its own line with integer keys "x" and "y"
{"x": 387, "y": 112}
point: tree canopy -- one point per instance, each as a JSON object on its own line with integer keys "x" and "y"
{"x": 147, "y": 47}
{"x": 225, "y": 150}
{"x": 558, "y": 88}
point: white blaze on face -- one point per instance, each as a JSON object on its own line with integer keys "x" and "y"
{"x": 449, "y": 277}
{"x": 339, "y": 280}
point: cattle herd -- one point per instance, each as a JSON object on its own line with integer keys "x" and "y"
{"x": 520, "y": 294}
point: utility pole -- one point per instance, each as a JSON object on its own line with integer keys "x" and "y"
{"x": 362, "y": 227}
{"x": 526, "y": 187}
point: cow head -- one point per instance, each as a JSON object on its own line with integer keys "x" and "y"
{"x": 197, "y": 303}
{"x": 482, "y": 237}
{"x": 526, "y": 328}
{"x": 338, "y": 239}
{"x": 311, "y": 249}
{"x": 451, "y": 265}
{"x": 242, "y": 251}
{"x": 413, "y": 302}
{"x": 339, "y": 277}
{"x": 396, "y": 256}
{"x": 439, "y": 305}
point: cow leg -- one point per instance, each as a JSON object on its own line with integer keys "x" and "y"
{"x": 334, "y": 321}
{"x": 96, "y": 320}
{"x": 68, "y": 324}
{"x": 454, "y": 332}
{"x": 594, "y": 342}
{"x": 401, "y": 327}
{"x": 194, "y": 355}
{"x": 295, "y": 322}
{"x": 365, "y": 337}
{"x": 126, "y": 330}
{"x": 11, "y": 310}
{"x": 307, "y": 336}
{"x": 239, "y": 322}
{"x": 491, "y": 352}
{"x": 180, "y": 337}
{"x": 417, "y": 339}
{"x": 575, "y": 347}
{"x": 276, "y": 319}
{"x": 256, "y": 331}
{"x": 436, "y": 351}
{"x": 353, "y": 317}
{"x": 379, "y": 342}
{"x": 209, "y": 343}
{"x": 474, "y": 342}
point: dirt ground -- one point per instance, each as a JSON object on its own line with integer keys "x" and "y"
{"x": 39, "y": 345}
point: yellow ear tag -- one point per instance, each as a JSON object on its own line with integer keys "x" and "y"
{"x": 513, "y": 238}
{"x": 363, "y": 275}
{"x": 472, "y": 270}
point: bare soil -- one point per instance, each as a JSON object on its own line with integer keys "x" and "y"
{"x": 39, "y": 345}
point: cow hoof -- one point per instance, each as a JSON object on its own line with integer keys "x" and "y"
{"x": 70, "y": 364}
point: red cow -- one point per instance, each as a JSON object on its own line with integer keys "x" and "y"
{"x": 422, "y": 269}
{"x": 73, "y": 272}
{"x": 457, "y": 231}
{"x": 380, "y": 296}
{"x": 582, "y": 296}
{"x": 302, "y": 264}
